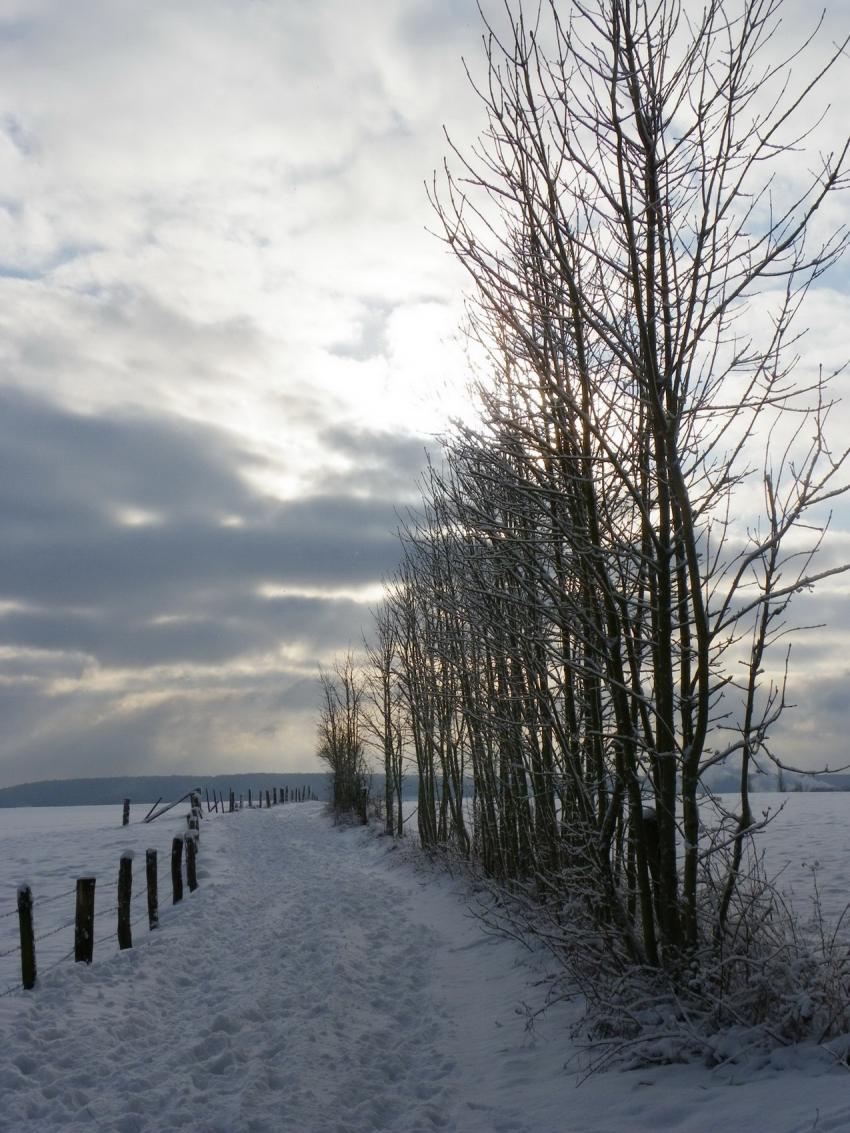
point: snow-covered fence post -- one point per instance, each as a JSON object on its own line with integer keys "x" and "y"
{"x": 191, "y": 856}
{"x": 249, "y": 798}
{"x": 268, "y": 801}
{"x": 84, "y": 921}
{"x": 153, "y": 900}
{"x": 125, "y": 889}
{"x": 125, "y": 820}
{"x": 274, "y": 795}
{"x": 177, "y": 870}
{"x": 232, "y": 802}
{"x": 27, "y": 937}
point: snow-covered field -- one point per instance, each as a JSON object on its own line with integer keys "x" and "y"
{"x": 321, "y": 981}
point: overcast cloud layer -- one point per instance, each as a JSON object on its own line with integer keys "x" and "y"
{"x": 225, "y": 340}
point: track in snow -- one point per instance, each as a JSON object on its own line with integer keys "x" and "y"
{"x": 317, "y": 982}
{"x": 307, "y": 985}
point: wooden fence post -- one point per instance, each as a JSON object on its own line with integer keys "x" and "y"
{"x": 249, "y": 798}
{"x": 126, "y": 815}
{"x": 125, "y": 890}
{"x": 27, "y": 937}
{"x": 177, "y": 870}
{"x": 274, "y": 795}
{"x": 268, "y": 801}
{"x": 191, "y": 855}
{"x": 153, "y": 899}
{"x": 84, "y": 921}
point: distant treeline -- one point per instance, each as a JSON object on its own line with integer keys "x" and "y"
{"x": 149, "y": 788}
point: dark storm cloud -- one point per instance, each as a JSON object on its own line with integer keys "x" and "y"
{"x": 812, "y": 732}
{"x": 208, "y": 725}
{"x": 185, "y": 585}
{"x": 386, "y": 464}
{"x": 60, "y": 468}
{"x": 244, "y": 624}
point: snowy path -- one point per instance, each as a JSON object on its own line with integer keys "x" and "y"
{"x": 318, "y": 983}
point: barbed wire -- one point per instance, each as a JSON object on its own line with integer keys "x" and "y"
{"x": 52, "y": 932}
{"x": 163, "y": 871}
{"x": 104, "y": 912}
{"x": 39, "y": 901}
{"x": 61, "y": 960}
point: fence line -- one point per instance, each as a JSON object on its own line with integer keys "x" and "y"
{"x": 177, "y": 865}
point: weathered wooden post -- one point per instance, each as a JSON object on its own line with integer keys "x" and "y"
{"x": 177, "y": 870}
{"x": 268, "y": 801}
{"x": 126, "y": 816}
{"x": 125, "y": 889}
{"x": 153, "y": 899}
{"x": 84, "y": 921}
{"x": 27, "y": 937}
{"x": 191, "y": 855}
{"x": 274, "y": 795}
{"x": 232, "y": 801}
{"x": 249, "y": 798}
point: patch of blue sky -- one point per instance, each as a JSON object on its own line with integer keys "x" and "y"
{"x": 57, "y": 258}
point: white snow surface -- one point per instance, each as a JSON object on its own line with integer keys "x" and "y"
{"x": 321, "y": 980}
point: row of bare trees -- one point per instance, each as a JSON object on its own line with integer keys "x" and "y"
{"x": 590, "y": 600}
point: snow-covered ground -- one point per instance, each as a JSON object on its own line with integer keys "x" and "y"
{"x": 321, "y": 981}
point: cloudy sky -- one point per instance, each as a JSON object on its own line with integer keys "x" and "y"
{"x": 226, "y": 339}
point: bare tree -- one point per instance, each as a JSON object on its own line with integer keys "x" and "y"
{"x": 340, "y": 736}
{"x": 593, "y": 608}
{"x": 384, "y": 719}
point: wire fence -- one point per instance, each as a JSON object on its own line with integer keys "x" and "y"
{"x": 28, "y": 930}
{"x": 33, "y": 931}
{"x": 31, "y": 935}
